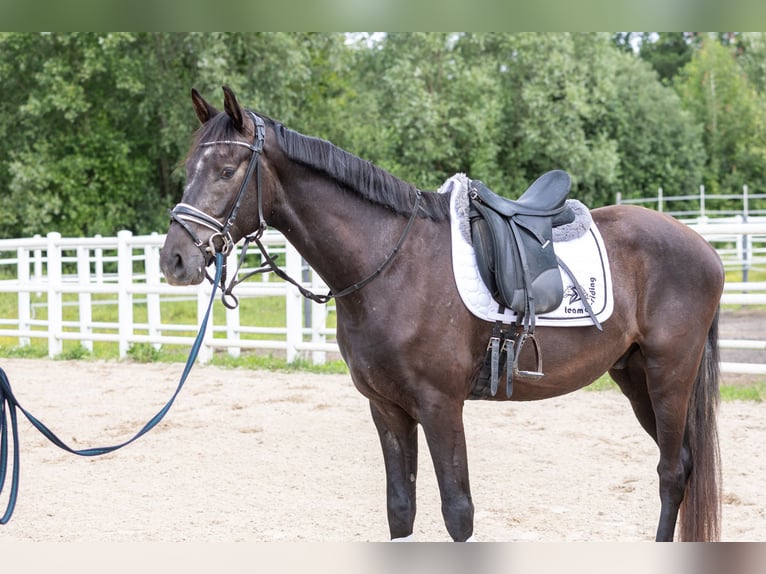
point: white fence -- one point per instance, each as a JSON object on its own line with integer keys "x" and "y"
{"x": 703, "y": 205}
{"x": 60, "y": 283}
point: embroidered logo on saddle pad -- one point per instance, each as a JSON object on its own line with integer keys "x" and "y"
{"x": 579, "y": 245}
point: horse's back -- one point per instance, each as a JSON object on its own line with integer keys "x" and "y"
{"x": 664, "y": 273}
{"x": 659, "y": 243}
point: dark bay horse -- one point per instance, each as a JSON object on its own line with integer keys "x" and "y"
{"x": 412, "y": 347}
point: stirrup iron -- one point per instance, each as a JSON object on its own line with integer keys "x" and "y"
{"x": 529, "y": 375}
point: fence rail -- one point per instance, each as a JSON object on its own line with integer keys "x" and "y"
{"x": 702, "y": 205}
{"x": 47, "y": 272}
{"x": 60, "y": 283}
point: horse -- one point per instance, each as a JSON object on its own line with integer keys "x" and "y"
{"x": 412, "y": 348}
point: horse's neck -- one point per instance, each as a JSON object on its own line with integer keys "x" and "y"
{"x": 342, "y": 236}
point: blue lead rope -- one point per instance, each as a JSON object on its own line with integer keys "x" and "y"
{"x": 9, "y": 406}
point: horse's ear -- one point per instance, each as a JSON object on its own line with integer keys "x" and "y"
{"x": 233, "y": 109}
{"x": 204, "y": 110}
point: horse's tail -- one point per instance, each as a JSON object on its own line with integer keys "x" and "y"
{"x": 700, "y": 512}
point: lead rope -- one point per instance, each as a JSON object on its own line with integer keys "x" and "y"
{"x": 9, "y": 406}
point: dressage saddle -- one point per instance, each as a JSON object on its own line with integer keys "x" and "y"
{"x": 513, "y": 241}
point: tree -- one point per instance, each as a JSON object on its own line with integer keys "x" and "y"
{"x": 717, "y": 92}
{"x": 76, "y": 161}
{"x": 577, "y": 102}
{"x": 658, "y": 142}
{"x": 752, "y": 58}
{"x": 431, "y": 110}
{"x": 95, "y": 126}
{"x": 667, "y": 52}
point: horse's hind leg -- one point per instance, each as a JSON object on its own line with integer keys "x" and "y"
{"x": 660, "y": 404}
{"x": 631, "y": 378}
{"x": 398, "y": 434}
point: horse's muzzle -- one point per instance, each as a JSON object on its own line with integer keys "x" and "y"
{"x": 181, "y": 261}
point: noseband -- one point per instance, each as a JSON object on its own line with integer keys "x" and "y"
{"x": 183, "y": 214}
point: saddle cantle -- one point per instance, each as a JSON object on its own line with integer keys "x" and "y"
{"x": 513, "y": 242}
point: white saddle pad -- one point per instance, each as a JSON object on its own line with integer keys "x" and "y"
{"x": 585, "y": 256}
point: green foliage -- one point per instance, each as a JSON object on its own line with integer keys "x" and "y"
{"x": 667, "y": 52}
{"x": 23, "y": 352}
{"x": 603, "y": 383}
{"x": 755, "y": 391}
{"x": 731, "y": 112}
{"x": 94, "y": 127}
{"x": 75, "y": 353}
{"x": 143, "y": 353}
{"x": 272, "y": 363}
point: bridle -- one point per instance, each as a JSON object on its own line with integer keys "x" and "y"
{"x": 184, "y": 214}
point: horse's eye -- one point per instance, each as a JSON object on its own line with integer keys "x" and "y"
{"x": 227, "y": 172}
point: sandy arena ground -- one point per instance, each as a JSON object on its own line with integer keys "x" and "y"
{"x": 265, "y": 456}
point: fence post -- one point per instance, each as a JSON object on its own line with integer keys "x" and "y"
{"x": 659, "y": 200}
{"x": 55, "y": 320}
{"x": 98, "y": 263}
{"x": 152, "y": 271}
{"x": 22, "y": 274}
{"x": 124, "y": 295}
{"x": 746, "y": 260}
{"x": 318, "y": 322}
{"x": 745, "y": 202}
{"x": 702, "y": 201}
{"x": 203, "y": 298}
{"x": 84, "y": 297}
{"x": 232, "y": 315}
{"x": 293, "y": 304}
{"x": 38, "y": 266}
{"x": 618, "y": 199}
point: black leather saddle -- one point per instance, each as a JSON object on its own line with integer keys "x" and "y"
{"x": 513, "y": 241}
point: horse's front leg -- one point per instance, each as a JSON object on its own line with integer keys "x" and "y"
{"x": 443, "y": 428}
{"x": 398, "y": 434}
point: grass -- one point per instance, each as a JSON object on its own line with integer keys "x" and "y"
{"x": 268, "y": 312}
{"x": 753, "y": 391}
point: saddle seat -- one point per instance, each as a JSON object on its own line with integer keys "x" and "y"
{"x": 546, "y": 196}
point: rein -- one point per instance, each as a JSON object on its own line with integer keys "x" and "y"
{"x": 9, "y": 406}
{"x": 183, "y": 214}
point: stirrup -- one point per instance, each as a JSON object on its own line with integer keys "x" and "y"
{"x": 529, "y": 375}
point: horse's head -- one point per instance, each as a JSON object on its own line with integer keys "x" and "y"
{"x": 221, "y": 169}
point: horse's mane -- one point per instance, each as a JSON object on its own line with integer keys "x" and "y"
{"x": 351, "y": 172}
{"x": 360, "y": 176}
